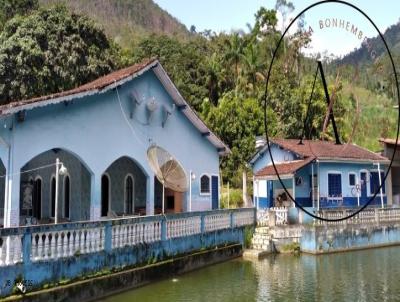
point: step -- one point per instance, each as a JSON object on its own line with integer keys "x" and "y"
{"x": 254, "y": 254}
{"x": 262, "y": 230}
{"x": 263, "y": 247}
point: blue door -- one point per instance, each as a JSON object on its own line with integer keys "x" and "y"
{"x": 214, "y": 192}
{"x": 363, "y": 177}
{"x": 270, "y": 190}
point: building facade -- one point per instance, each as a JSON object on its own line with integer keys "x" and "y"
{"x": 319, "y": 174}
{"x": 101, "y": 133}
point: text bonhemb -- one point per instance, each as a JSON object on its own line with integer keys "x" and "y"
{"x": 340, "y": 23}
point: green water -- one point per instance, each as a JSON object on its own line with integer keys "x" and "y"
{"x": 371, "y": 275}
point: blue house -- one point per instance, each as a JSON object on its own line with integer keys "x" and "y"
{"x": 101, "y": 132}
{"x": 319, "y": 174}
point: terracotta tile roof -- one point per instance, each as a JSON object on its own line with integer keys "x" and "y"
{"x": 328, "y": 150}
{"x": 97, "y": 84}
{"x": 284, "y": 168}
{"x": 111, "y": 80}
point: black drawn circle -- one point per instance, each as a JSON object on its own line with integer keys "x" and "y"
{"x": 265, "y": 98}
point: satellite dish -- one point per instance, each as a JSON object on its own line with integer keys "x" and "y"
{"x": 167, "y": 170}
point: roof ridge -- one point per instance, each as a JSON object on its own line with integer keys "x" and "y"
{"x": 130, "y": 70}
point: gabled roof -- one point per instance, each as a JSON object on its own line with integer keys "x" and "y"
{"x": 324, "y": 150}
{"x": 115, "y": 79}
{"x": 286, "y": 168}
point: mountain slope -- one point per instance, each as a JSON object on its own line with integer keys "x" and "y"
{"x": 123, "y": 19}
{"x": 363, "y": 54}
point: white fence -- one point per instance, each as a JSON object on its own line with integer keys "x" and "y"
{"x": 369, "y": 215}
{"x": 45, "y": 242}
{"x": 272, "y": 216}
{"x": 279, "y": 216}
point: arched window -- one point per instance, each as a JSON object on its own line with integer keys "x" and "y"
{"x": 204, "y": 184}
{"x": 105, "y": 194}
{"x": 53, "y": 196}
{"x": 129, "y": 195}
{"x": 37, "y": 199}
{"x": 67, "y": 190}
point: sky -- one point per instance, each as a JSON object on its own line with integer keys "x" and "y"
{"x": 227, "y": 15}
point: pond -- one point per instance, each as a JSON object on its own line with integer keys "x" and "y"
{"x": 369, "y": 275}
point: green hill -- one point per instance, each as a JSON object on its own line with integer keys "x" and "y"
{"x": 363, "y": 54}
{"x": 125, "y": 19}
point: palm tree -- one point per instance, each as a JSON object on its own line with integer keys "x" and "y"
{"x": 213, "y": 69}
{"x": 253, "y": 65}
{"x": 235, "y": 52}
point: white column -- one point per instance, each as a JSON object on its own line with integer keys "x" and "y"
{"x": 13, "y": 198}
{"x": 318, "y": 180}
{"x": 95, "y": 197}
{"x": 150, "y": 194}
{"x": 244, "y": 176}
{"x": 312, "y": 185}
{"x": 56, "y": 194}
{"x": 190, "y": 190}
{"x": 258, "y": 193}
{"x": 294, "y": 190}
{"x": 388, "y": 185}
{"x": 380, "y": 184}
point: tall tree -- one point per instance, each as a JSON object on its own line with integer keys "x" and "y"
{"x": 237, "y": 121}
{"x": 49, "y": 51}
{"x": 235, "y": 52}
{"x": 11, "y": 8}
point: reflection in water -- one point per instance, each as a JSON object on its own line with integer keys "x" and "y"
{"x": 371, "y": 275}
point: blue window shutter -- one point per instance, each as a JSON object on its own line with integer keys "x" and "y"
{"x": 334, "y": 185}
{"x": 374, "y": 185}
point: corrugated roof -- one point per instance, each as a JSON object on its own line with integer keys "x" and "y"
{"x": 113, "y": 80}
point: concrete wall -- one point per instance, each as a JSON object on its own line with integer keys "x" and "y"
{"x": 338, "y": 238}
{"x": 98, "y": 130}
{"x": 53, "y": 270}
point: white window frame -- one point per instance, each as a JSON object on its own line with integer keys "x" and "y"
{"x": 41, "y": 194}
{"x": 209, "y": 185}
{"x": 355, "y": 179}
{"x": 53, "y": 176}
{"x": 63, "y": 211}
{"x": 133, "y": 192}
{"x": 368, "y": 181}
{"x": 369, "y": 185}
{"x": 109, "y": 192}
{"x": 327, "y": 180}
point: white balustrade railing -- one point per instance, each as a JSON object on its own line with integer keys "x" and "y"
{"x": 370, "y": 215}
{"x": 243, "y": 218}
{"x": 219, "y": 221}
{"x": 262, "y": 217}
{"x": 66, "y": 243}
{"x": 10, "y": 249}
{"x": 133, "y": 233}
{"x": 49, "y": 242}
{"x": 274, "y": 216}
{"x": 183, "y": 227}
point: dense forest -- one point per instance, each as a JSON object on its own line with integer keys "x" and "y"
{"x": 45, "y": 48}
